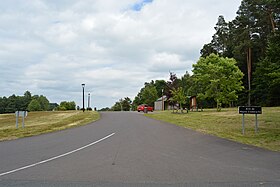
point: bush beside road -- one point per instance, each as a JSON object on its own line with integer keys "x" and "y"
{"x": 228, "y": 124}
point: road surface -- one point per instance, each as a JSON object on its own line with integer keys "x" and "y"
{"x": 129, "y": 149}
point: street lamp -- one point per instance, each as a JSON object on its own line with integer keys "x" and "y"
{"x": 162, "y": 102}
{"x": 83, "y": 86}
{"x": 88, "y": 101}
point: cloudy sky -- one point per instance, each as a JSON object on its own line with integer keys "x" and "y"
{"x": 51, "y": 47}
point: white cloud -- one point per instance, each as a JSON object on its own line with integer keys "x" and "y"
{"x": 88, "y": 23}
{"x": 51, "y": 47}
{"x": 164, "y": 62}
{"x": 62, "y": 34}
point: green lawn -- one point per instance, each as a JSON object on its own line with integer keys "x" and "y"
{"x": 228, "y": 124}
{"x": 43, "y": 122}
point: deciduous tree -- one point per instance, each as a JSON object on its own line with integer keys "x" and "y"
{"x": 219, "y": 78}
{"x": 34, "y": 105}
{"x": 179, "y": 97}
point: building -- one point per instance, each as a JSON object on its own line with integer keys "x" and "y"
{"x": 159, "y": 104}
{"x": 193, "y": 103}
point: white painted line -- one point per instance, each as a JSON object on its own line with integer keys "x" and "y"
{"x": 56, "y": 157}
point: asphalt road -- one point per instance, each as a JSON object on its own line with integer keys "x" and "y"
{"x": 129, "y": 149}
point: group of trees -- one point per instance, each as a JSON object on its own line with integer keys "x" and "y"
{"x": 149, "y": 93}
{"x": 26, "y": 102}
{"x": 122, "y": 105}
{"x": 65, "y": 105}
{"x": 240, "y": 66}
{"x": 216, "y": 81}
{"x": 31, "y": 103}
{"x": 253, "y": 40}
{"x": 175, "y": 89}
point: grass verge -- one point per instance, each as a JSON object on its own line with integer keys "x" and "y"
{"x": 228, "y": 124}
{"x": 43, "y": 122}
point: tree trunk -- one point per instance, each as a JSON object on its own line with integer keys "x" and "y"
{"x": 271, "y": 20}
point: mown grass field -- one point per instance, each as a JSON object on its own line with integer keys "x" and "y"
{"x": 43, "y": 122}
{"x": 228, "y": 124}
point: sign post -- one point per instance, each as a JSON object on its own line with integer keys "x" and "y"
{"x": 23, "y": 114}
{"x": 250, "y": 110}
{"x": 17, "y": 114}
{"x": 256, "y": 126}
{"x": 243, "y": 124}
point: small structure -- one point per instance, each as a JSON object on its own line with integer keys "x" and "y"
{"x": 161, "y": 105}
{"x": 193, "y": 103}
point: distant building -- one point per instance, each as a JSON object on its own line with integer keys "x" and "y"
{"x": 159, "y": 104}
{"x": 193, "y": 103}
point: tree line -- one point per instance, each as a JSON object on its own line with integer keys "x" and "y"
{"x": 240, "y": 65}
{"x": 216, "y": 81}
{"x": 29, "y": 102}
{"x": 253, "y": 40}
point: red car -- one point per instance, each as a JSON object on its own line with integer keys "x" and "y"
{"x": 143, "y": 106}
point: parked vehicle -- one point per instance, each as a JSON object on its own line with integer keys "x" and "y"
{"x": 143, "y": 106}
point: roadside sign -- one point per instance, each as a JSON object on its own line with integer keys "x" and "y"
{"x": 250, "y": 110}
{"x": 22, "y": 114}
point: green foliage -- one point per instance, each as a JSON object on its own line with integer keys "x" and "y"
{"x": 105, "y": 109}
{"x": 14, "y": 103}
{"x": 219, "y": 41}
{"x": 257, "y": 21}
{"x": 52, "y": 106}
{"x": 172, "y": 84}
{"x": 26, "y": 100}
{"x": 117, "y": 106}
{"x": 160, "y": 85}
{"x": 149, "y": 94}
{"x": 218, "y": 78}
{"x": 38, "y": 103}
{"x": 126, "y": 104}
{"x": 121, "y": 105}
{"x": 267, "y": 75}
{"x": 179, "y": 97}
{"x": 256, "y": 29}
{"x": 44, "y": 102}
{"x": 34, "y": 105}
{"x": 65, "y": 105}
{"x": 186, "y": 83}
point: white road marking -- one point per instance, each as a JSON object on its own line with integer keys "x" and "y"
{"x": 56, "y": 157}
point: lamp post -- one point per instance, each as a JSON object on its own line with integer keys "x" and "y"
{"x": 83, "y": 86}
{"x": 162, "y": 102}
{"x": 88, "y": 101}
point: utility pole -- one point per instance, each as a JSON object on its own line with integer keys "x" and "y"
{"x": 83, "y": 86}
{"x": 88, "y": 100}
{"x": 162, "y": 102}
{"x": 249, "y": 67}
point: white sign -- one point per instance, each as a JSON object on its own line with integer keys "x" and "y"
{"x": 21, "y": 113}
